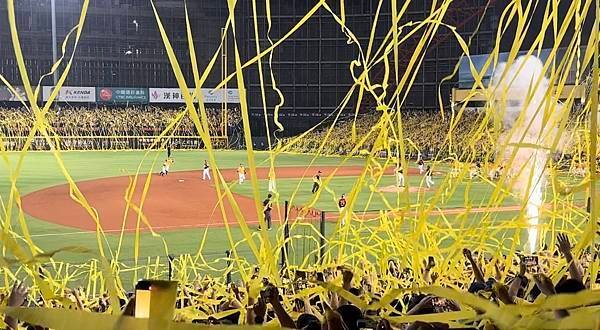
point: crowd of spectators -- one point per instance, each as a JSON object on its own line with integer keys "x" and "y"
{"x": 424, "y": 132}
{"x": 338, "y": 138}
{"x": 79, "y": 125}
{"x": 121, "y": 121}
{"x": 365, "y": 297}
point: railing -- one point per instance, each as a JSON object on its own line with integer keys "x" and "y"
{"x": 136, "y": 142}
{"x": 304, "y": 236}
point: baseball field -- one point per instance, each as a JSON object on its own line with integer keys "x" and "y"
{"x": 180, "y": 214}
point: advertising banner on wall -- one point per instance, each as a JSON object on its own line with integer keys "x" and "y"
{"x": 174, "y": 95}
{"x": 465, "y": 75}
{"x": 71, "y": 94}
{"x": 166, "y": 95}
{"x": 7, "y": 95}
{"x": 122, "y": 95}
{"x": 233, "y": 95}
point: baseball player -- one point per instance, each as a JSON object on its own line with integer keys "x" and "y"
{"x": 316, "y": 182}
{"x": 241, "y": 174}
{"x": 421, "y": 165}
{"x": 475, "y": 171}
{"x": 455, "y": 172}
{"x": 206, "y": 171}
{"x": 169, "y": 162}
{"x": 272, "y": 186}
{"x": 495, "y": 173}
{"x": 342, "y": 206}
{"x": 492, "y": 174}
{"x": 500, "y": 171}
{"x": 166, "y": 166}
{"x": 428, "y": 174}
{"x": 267, "y": 207}
{"x": 581, "y": 170}
{"x": 163, "y": 170}
{"x": 399, "y": 176}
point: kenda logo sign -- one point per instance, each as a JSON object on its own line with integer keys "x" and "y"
{"x": 71, "y": 94}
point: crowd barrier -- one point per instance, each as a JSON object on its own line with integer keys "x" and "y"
{"x": 141, "y": 142}
{"x": 304, "y": 236}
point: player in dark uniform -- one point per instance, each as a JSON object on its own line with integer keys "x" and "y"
{"x": 342, "y": 205}
{"x": 267, "y": 207}
{"x": 316, "y": 182}
{"x": 342, "y": 202}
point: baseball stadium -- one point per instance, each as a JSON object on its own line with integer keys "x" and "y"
{"x": 322, "y": 164}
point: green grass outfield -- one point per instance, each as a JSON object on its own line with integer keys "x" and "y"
{"x": 40, "y": 170}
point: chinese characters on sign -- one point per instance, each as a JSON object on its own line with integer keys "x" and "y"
{"x": 122, "y": 95}
{"x": 174, "y": 95}
{"x": 76, "y": 94}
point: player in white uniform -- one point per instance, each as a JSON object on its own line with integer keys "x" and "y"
{"x": 206, "y": 171}
{"x": 495, "y": 173}
{"x": 272, "y": 185}
{"x": 241, "y": 174}
{"x": 475, "y": 171}
{"x": 421, "y": 165}
{"x": 428, "y": 174}
{"x": 166, "y": 166}
{"x": 163, "y": 170}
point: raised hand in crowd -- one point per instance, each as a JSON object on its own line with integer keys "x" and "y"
{"x": 271, "y": 295}
{"x": 333, "y": 320}
{"x": 347, "y": 276}
{"x": 519, "y": 280}
{"x": 429, "y": 264}
{"x": 477, "y": 272}
{"x": 545, "y": 285}
{"x": 564, "y": 246}
{"x": 17, "y": 297}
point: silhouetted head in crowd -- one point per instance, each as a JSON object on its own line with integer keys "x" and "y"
{"x": 350, "y": 315}
{"x": 355, "y": 291}
{"x": 308, "y": 322}
{"x": 428, "y": 326}
{"x": 415, "y": 299}
{"x": 569, "y": 286}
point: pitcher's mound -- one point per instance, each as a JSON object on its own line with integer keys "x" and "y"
{"x": 396, "y": 189}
